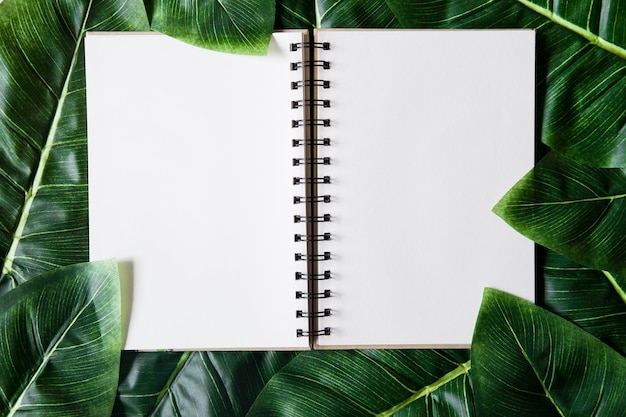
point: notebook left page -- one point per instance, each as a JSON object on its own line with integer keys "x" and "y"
{"x": 191, "y": 189}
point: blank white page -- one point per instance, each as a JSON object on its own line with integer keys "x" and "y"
{"x": 429, "y": 129}
{"x": 190, "y": 189}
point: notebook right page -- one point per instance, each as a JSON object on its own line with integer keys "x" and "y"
{"x": 428, "y": 131}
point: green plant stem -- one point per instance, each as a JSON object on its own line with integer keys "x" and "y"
{"x": 318, "y": 18}
{"x": 462, "y": 369}
{"x": 618, "y": 289}
{"x": 591, "y": 37}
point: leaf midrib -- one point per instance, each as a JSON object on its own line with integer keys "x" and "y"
{"x": 590, "y": 36}
{"x": 182, "y": 362}
{"x": 530, "y": 363}
{"x": 31, "y": 194}
{"x": 609, "y": 199}
{"x": 46, "y": 357}
{"x": 461, "y": 369}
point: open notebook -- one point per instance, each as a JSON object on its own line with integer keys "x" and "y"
{"x": 335, "y": 193}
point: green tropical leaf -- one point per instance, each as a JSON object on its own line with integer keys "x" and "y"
{"x": 594, "y": 300}
{"x": 194, "y": 383}
{"x": 581, "y": 67}
{"x": 354, "y": 13}
{"x": 143, "y": 375}
{"x": 237, "y": 26}
{"x": 296, "y": 14}
{"x": 529, "y": 362}
{"x": 370, "y": 382}
{"x": 571, "y": 208}
{"x": 43, "y": 184}
{"x": 60, "y": 338}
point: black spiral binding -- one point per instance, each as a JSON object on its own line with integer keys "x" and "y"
{"x": 296, "y": 104}
{"x": 311, "y": 199}
{"x": 316, "y": 142}
{"x": 303, "y": 314}
{"x": 311, "y": 180}
{"x": 324, "y": 332}
{"x": 316, "y": 277}
{"x": 301, "y": 45}
{"x": 316, "y": 219}
{"x": 315, "y": 257}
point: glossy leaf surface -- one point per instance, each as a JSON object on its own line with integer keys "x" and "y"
{"x": 43, "y": 184}
{"x": 529, "y": 362}
{"x": 370, "y": 382}
{"x": 581, "y": 60}
{"x": 60, "y": 340}
{"x": 594, "y": 300}
{"x": 576, "y": 210}
{"x": 143, "y": 376}
{"x": 236, "y": 26}
{"x": 194, "y": 383}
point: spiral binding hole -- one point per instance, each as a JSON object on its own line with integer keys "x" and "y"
{"x": 313, "y": 277}
{"x": 296, "y": 104}
{"x": 318, "y": 142}
{"x": 311, "y": 161}
{"x": 301, "y": 314}
{"x": 315, "y": 219}
{"x": 319, "y": 257}
{"x": 316, "y": 180}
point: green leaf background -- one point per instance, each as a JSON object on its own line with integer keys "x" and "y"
{"x": 43, "y": 147}
{"x": 581, "y": 116}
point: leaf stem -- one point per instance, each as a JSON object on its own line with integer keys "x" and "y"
{"x": 620, "y": 291}
{"x": 462, "y": 369}
{"x": 590, "y": 36}
{"x": 318, "y": 18}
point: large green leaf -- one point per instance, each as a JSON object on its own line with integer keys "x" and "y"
{"x": 200, "y": 383}
{"x": 529, "y": 362}
{"x": 594, "y": 300}
{"x": 581, "y": 67}
{"x": 576, "y": 210}
{"x": 43, "y": 184}
{"x": 240, "y": 26}
{"x": 370, "y": 382}
{"x": 60, "y": 338}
